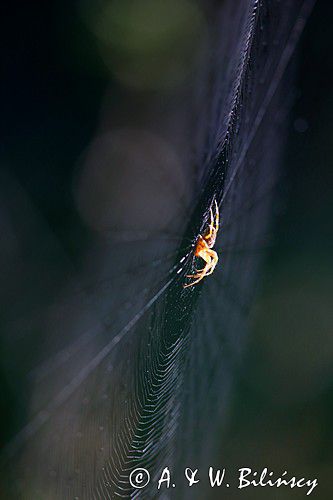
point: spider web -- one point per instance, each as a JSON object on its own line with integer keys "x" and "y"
{"x": 138, "y": 382}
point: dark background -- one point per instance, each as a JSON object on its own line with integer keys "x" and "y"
{"x": 53, "y": 85}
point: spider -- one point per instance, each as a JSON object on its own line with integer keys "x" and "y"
{"x": 204, "y": 250}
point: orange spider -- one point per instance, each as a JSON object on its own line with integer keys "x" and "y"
{"x": 204, "y": 247}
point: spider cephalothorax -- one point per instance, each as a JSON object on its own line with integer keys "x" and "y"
{"x": 203, "y": 248}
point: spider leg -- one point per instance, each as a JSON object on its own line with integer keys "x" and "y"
{"x": 197, "y": 272}
{"x": 211, "y": 225}
{"x": 206, "y": 256}
{"x": 215, "y": 222}
{"x": 214, "y": 261}
{"x": 202, "y": 275}
{"x": 202, "y": 272}
{"x": 211, "y": 259}
{"x": 208, "y": 269}
{"x": 217, "y": 216}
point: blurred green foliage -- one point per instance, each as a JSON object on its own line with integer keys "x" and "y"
{"x": 147, "y": 44}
